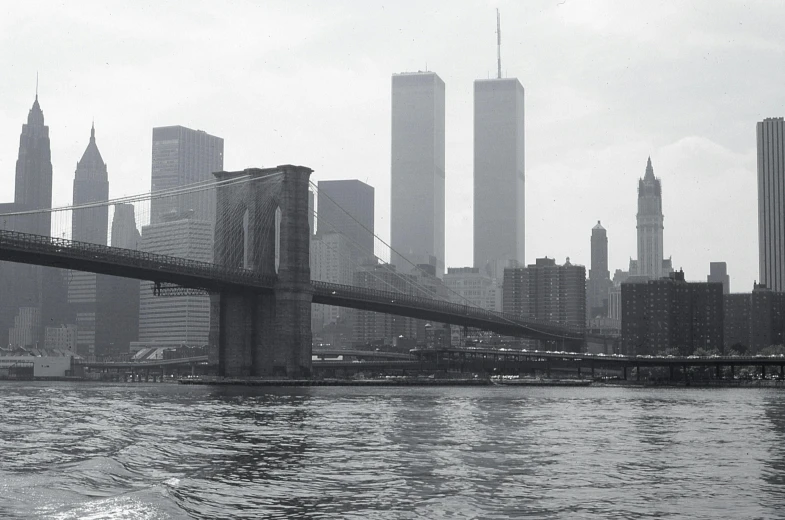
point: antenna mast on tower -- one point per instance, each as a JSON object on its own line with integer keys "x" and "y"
{"x": 498, "y": 44}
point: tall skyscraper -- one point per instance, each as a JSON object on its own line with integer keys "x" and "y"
{"x": 718, "y": 272}
{"x": 22, "y": 285}
{"x": 650, "y": 226}
{"x": 417, "y": 171}
{"x": 771, "y": 202}
{"x": 91, "y": 184}
{"x": 183, "y": 156}
{"x": 33, "y": 189}
{"x": 599, "y": 284}
{"x": 499, "y": 175}
{"x": 347, "y": 207}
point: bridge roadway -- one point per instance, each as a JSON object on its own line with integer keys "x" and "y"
{"x": 81, "y": 256}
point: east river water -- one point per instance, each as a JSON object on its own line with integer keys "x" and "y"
{"x": 158, "y": 451}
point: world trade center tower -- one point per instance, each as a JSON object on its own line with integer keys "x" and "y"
{"x": 498, "y": 175}
{"x": 417, "y": 171}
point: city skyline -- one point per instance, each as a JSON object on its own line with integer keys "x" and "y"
{"x": 704, "y": 160}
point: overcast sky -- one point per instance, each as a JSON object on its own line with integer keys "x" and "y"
{"x": 608, "y": 83}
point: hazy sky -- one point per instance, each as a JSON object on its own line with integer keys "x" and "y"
{"x": 607, "y": 83}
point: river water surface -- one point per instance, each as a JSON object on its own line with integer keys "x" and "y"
{"x": 153, "y": 451}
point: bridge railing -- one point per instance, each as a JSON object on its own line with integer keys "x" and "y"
{"x": 446, "y": 307}
{"x": 27, "y": 242}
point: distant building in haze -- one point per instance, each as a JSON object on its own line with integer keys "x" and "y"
{"x": 331, "y": 261}
{"x": 499, "y": 175}
{"x": 417, "y": 171}
{"x": 650, "y": 262}
{"x": 22, "y": 286}
{"x": 181, "y": 157}
{"x": 117, "y": 321}
{"x": 90, "y": 225}
{"x": 671, "y": 315}
{"x": 546, "y": 291}
{"x": 347, "y": 207}
{"x": 469, "y": 286}
{"x": 718, "y": 272}
{"x": 771, "y": 202}
{"x": 599, "y": 283}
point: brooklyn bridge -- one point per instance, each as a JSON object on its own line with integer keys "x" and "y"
{"x": 259, "y": 281}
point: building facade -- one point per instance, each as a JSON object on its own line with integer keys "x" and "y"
{"x": 376, "y": 328}
{"x": 347, "y": 207}
{"x": 469, "y": 286}
{"x": 546, "y": 291}
{"x": 670, "y": 315}
{"x": 417, "y": 171}
{"x": 181, "y": 157}
{"x": 331, "y": 261}
{"x": 499, "y": 175}
{"x": 754, "y": 321}
{"x": 176, "y": 319}
{"x": 771, "y": 202}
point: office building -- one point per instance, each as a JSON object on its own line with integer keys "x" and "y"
{"x": 718, "y": 272}
{"x": 599, "y": 283}
{"x": 347, "y": 207}
{"x": 671, "y": 315}
{"x": 21, "y": 285}
{"x": 499, "y": 175}
{"x": 376, "y": 328}
{"x": 62, "y": 338}
{"x": 176, "y": 319}
{"x": 331, "y": 261}
{"x": 771, "y": 202}
{"x": 90, "y": 225}
{"x": 469, "y": 286}
{"x": 417, "y": 171}
{"x": 546, "y": 291}
{"x": 181, "y": 157}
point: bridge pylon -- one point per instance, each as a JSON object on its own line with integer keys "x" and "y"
{"x": 263, "y": 334}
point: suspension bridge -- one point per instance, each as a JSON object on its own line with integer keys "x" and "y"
{"x": 258, "y": 277}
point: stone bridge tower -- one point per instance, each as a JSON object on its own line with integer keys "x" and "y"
{"x": 262, "y": 334}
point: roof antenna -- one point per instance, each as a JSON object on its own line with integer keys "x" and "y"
{"x": 36, "y": 85}
{"x": 498, "y": 44}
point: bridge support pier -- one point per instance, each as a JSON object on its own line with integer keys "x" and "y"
{"x": 262, "y": 334}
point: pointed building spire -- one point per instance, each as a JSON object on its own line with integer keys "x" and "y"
{"x": 92, "y": 132}
{"x": 36, "y": 85}
{"x": 649, "y": 176}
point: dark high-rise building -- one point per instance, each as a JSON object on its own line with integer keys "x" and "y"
{"x": 91, "y": 185}
{"x": 671, "y": 314}
{"x": 499, "y": 175}
{"x": 546, "y": 291}
{"x": 347, "y": 207}
{"x": 718, "y": 272}
{"x": 34, "y": 173}
{"x": 771, "y": 202}
{"x": 754, "y": 321}
{"x": 22, "y": 286}
{"x": 599, "y": 283}
{"x": 182, "y": 156}
{"x": 417, "y": 171}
